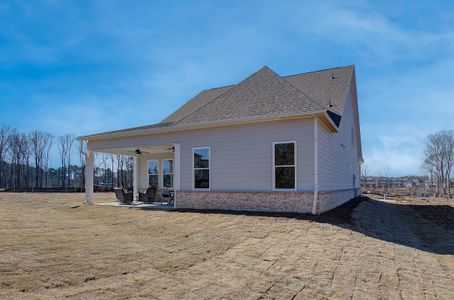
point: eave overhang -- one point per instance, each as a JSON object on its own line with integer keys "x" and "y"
{"x": 323, "y": 116}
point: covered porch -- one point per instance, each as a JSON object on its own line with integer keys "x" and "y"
{"x": 153, "y": 166}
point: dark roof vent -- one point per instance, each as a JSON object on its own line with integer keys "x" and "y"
{"x": 332, "y": 76}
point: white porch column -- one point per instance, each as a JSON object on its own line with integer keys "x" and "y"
{"x": 135, "y": 180}
{"x": 176, "y": 180}
{"x": 89, "y": 160}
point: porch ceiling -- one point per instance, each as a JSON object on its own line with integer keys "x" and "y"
{"x": 131, "y": 151}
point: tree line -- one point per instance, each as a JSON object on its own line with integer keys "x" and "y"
{"x": 439, "y": 161}
{"x": 25, "y": 160}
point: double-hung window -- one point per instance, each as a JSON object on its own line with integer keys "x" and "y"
{"x": 167, "y": 173}
{"x": 284, "y": 166}
{"x": 153, "y": 167}
{"x": 201, "y": 168}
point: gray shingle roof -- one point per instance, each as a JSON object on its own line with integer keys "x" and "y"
{"x": 261, "y": 95}
{"x": 326, "y": 86}
{"x": 264, "y": 93}
{"x": 199, "y": 100}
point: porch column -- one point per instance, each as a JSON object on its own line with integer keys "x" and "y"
{"x": 135, "y": 179}
{"x": 176, "y": 180}
{"x": 89, "y": 159}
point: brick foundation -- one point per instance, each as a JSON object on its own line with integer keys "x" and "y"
{"x": 300, "y": 202}
{"x": 297, "y": 202}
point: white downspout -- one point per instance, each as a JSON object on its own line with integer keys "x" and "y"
{"x": 314, "y": 200}
{"x": 177, "y": 164}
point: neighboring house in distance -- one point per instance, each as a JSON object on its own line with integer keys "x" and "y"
{"x": 268, "y": 143}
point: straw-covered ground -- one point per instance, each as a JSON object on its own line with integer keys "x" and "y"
{"x": 51, "y": 246}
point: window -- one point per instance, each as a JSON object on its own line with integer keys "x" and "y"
{"x": 167, "y": 173}
{"x": 153, "y": 173}
{"x": 284, "y": 166}
{"x": 201, "y": 168}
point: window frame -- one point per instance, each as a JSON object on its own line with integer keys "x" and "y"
{"x": 209, "y": 169}
{"x": 157, "y": 173}
{"x": 162, "y": 173}
{"x": 295, "y": 165}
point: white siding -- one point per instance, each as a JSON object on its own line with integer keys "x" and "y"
{"x": 338, "y": 158}
{"x": 241, "y": 156}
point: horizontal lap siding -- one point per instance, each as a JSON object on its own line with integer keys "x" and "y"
{"x": 336, "y": 163}
{"x": 241, "y": 156}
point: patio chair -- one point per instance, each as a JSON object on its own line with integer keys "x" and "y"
{"x": 169, "y": 195}
{"x": 122, "y": 196}
{"x": 149, "y": 196}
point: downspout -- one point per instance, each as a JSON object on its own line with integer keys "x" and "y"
{"x": 314, "y": 200}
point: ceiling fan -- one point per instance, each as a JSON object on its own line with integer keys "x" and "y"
{"x": 171, "y": 148}
{"x": 138, "y": 151}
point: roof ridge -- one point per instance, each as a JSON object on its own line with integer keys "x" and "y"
{"x": 205, "y": 103}
{"x": 283, "y": 77}
{"x": 223, "y": 94}
{"x": 216, "y": 88}
{"x": 198, "y": 94}
{"x": 313, "y": 101}
{"x": 317, "y": 71}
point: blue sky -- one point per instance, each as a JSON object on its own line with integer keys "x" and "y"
{"x": 89, "y": 66}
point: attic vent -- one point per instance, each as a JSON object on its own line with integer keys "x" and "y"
{"x": 332, "y": 76}
{"x": 329, "y": 104}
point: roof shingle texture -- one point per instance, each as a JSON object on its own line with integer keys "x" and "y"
{"x": 263, "y": 94}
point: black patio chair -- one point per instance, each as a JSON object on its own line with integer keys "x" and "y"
{"x": 169, "y": 195}
{"x": 149, "y": 196}
{"x": 122, "y": 196}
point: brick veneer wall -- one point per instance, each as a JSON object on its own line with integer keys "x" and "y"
{"x": 299, "y": 202}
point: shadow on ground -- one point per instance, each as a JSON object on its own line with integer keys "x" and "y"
{"x": 427, "y": 228}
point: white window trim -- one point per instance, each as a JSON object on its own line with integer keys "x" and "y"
{"x": 148, "y": 164}
{"x": 273, "y": 166}
{"x": 209, "y": 169}
{"x": 162, "y": 173}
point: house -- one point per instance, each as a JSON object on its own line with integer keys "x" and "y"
{"x": 268, "y": 143}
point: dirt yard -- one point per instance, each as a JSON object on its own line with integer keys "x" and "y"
{"x": 52, "y": 248}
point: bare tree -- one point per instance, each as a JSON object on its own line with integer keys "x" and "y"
{"x": 47, "y": 147}
{"x": 104, "y": 160}
{"x": 70, "y": 143}
{"x": 65, "y": 143}
{"x": 38, "y": 143}
{"x": 112, "y": 173}
{"x": 429, "y": 166}
{"x": 4, "y": 142}
{"x": 82, "y": 159}
{"x": 365, "y": 170}
{"x": 24, "y": 162}
{"x": 14, "y": 153}
{"x": 119, "y": 161}
{"x": 439, "y": 159}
